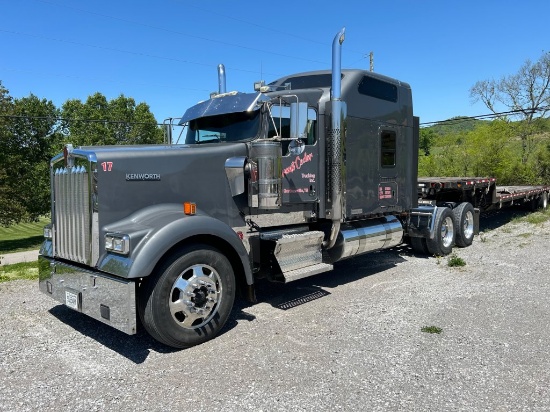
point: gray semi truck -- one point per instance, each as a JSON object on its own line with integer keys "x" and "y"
{"x": 279, "y": 184}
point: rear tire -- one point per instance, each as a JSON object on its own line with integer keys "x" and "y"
{"x": 443, "y": 241}
{"x": 463, "y": 219}
{"x": 189, "y": 298}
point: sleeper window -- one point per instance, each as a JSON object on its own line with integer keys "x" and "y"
{"x": 388, "y": 149}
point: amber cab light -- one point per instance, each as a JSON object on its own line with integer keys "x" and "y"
{"x": 189, "y": 208}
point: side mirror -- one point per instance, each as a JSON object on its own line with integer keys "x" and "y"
{"x": 298, "y": 120}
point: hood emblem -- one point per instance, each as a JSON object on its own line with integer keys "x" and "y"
{"x": 140, "y": 177}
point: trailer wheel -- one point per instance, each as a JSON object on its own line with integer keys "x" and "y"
{"x": 444, "y": 234}
{"x": 188, "y": 300}
{"x": 419, "y": 245}
{"x": 463, "y": 217}
{"x": 543, "y": 204}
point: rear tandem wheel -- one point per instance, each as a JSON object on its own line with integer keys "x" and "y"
{"x": 444, "y": 233}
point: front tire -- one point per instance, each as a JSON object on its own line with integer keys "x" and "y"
{"x": 443, "y": 241}
{"x": 189, "y": 298}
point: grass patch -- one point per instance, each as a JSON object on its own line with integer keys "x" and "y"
{"x": 431, "y": 329}
{"x": 22, "y": 237}
{"x": 17, "y": 271}
{"x": 482, "y": 237}
{"x": 537, "y": 218}
{"x": 455, "y": 261}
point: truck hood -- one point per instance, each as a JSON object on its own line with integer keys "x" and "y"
{"x": 130, "y": 178}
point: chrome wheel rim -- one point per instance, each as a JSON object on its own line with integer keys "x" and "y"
{"x": 468, "y": 225}
{"x": 195, "y": 296}
{"x": 447, "y": 232}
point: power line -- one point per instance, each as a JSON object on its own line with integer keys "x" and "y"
{"x": 69, "y": 120}
{"x": 324, "y": 44}
{"x": 463, "y": 119}
{"x": 258, "y": 25}
{"x": 69, "y": 76}
{"x": 448, "y": 121}
{"x": 163, "y": 57}
{"x": 180, "y": 33}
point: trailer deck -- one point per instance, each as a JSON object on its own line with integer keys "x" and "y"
{"x": 482, "y": 192}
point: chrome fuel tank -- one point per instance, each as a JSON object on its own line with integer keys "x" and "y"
{"x": 360, "y": 237}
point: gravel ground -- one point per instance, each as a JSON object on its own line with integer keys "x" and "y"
{"x": 349, "y": 339}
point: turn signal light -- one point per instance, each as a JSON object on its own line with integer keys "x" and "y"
{"x": 189, "y": 208}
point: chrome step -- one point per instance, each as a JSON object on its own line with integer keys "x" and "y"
{"x": 299, "y": 250}
{"x": 304, "y": 272}
{"x": 299, "y": 255}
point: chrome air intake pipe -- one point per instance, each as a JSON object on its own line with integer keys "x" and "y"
{"x": 221, "y": 79}
{"x": 335, "y": 142}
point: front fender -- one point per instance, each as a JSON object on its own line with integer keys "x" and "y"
{"x": 157, "y": 229}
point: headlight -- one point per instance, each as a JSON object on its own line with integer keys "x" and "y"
{"x": 117, "y": 243}
{"x": 48, "y": 233}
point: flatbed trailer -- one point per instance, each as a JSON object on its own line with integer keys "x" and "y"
{"x": 482, "y": 193}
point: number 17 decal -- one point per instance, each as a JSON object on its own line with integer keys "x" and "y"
{"x": 107, "y": 166}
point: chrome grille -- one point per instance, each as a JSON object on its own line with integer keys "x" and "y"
{"x": 72, "y": 212}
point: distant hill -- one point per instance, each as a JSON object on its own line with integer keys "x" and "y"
{"x": 456, "y": 125}
{"x": 462, "y": 124}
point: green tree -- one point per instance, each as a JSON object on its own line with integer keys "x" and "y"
{"x": 527, "y": 93}
{"x": 101, "y": 122}
{"x": 30, "y": 137}
{"x": 427, "y": 139}
{"x": 491, "y": 149}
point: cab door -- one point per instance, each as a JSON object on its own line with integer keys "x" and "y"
{"x": 300, "y": 161}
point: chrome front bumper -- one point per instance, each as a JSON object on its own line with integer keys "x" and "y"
{"x": 109, "y": 299}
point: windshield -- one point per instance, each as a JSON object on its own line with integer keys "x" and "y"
{"x": 229, "y": 127}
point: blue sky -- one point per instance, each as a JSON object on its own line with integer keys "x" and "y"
{"x": 165, "y": 52}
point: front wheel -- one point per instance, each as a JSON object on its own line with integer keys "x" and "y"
{"x": 188, "y": 299}
{"x": 444, "y": 234}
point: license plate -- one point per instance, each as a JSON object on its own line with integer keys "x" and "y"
{"x": 71, "y": 299}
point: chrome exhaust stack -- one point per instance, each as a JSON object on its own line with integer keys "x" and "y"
{"x": 336, "y": 142}
{"x": 336, "y": 92}
{"x": 221, "y": 79}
